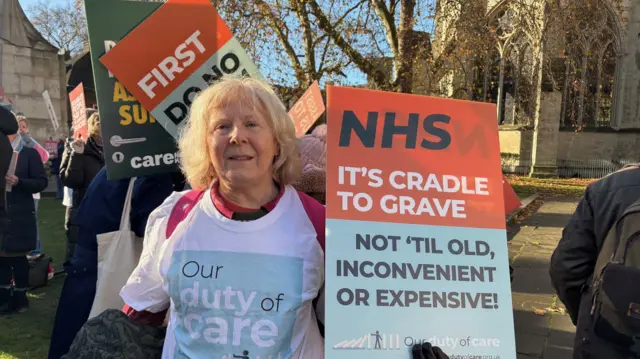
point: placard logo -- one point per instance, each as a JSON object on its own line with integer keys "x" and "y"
{"x": 371, "y": 341}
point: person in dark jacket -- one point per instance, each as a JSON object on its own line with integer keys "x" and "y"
{"x": 55, "y": 168}
{"x": 28, "y": 141}
{"x": 100, "y": 213}
{"x": 8, "y": 126}
{"x": 20, "y": 234}
{"x": 573, "y": 261}
{"x": 79, "y": 166}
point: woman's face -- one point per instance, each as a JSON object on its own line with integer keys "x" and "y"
{"x": 95, "y": 130}
{"x": 24, "y": 127}
{"x": 241, "y": 145}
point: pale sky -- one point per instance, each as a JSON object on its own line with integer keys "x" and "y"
{"x": 25, "y": 3}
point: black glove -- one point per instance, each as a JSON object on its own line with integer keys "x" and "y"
{"x": 426, "y": 351}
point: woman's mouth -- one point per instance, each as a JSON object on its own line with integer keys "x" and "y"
{"x": 240, "y": 158}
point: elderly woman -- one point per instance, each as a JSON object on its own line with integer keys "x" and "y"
{"x": 241, "y": 271}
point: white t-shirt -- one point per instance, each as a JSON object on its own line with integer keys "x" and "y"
{"x": 234, "y": 288}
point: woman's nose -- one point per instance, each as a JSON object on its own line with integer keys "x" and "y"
{"x": 238, "y": 134}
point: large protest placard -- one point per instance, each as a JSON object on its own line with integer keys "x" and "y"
{"x": 173, "y": 63}
{"x": 134, "y": 144}
{"x": 308, "y": 109}
{"x": 78, "y": 113}
{"x": 416, "y": 243}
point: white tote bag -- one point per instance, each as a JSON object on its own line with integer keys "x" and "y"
{"x": 118, "y": 255}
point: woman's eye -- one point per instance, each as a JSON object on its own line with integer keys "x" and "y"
{"x": 252, "y": 124}
{"x": 222, "y": 127}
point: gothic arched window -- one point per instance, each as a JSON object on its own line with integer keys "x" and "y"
{"x": 591, "y": 52}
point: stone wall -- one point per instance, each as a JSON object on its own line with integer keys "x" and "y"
{"x": 26, "y": 74}
{"x": 587, "y": 146}
{"x": 516, "y": 142}
{"x": 576, "y": 146}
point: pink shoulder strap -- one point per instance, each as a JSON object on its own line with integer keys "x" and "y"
{"x": 181, "y": 209}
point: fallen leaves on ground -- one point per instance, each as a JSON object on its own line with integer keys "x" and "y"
{"x": 551, "y": 309}
{"x": 556, "y": 309}
{"x": 566, "y": 187}
{"x": 527, "y": 211}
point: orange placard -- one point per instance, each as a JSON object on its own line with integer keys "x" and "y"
{"x": 308, "y": 109}
{"x": 78, "y": 113}
{"x": 511, "y": 199}
{"x": 412, "y": 159}
{"x": 159, "y": 67}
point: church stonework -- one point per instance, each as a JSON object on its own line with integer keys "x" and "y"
{"x": 562, "y": 112}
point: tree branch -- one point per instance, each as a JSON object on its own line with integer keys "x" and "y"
{"x": 280, "y": 27}
{"x": 346, "y": 13}
{"x": 388, "y": 21}
{"x": 309, "y": 48}
{"x": 324, "y": 54}
{"x": 363, "y": 65}
{"x": 406, "y": 48}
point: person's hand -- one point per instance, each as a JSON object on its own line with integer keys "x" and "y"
{"x": 78, "y": 146}
{"x": 427, "y": 351}
{"x": 11, "y": 180}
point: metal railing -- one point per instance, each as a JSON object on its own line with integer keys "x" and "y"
{"x": 568, "y": 168}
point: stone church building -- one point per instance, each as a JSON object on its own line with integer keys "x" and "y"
{"x": 30, "y": 65}
{"x": 566, "y": 83}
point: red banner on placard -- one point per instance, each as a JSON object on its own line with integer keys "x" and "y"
{"x": 78, "y": 113}
{"x": 399, "y": 158}
{"x": 185, "y": 47}
{"x": 178, "y": 51}
{"x": 308, "y": 109}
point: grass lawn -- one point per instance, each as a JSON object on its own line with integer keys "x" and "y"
{"x": 26, "y": 335}
{"x": 548, "y": 187}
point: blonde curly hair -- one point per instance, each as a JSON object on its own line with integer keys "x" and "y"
{"x": 195, "y": 160}
{"x": 93, "y": 126}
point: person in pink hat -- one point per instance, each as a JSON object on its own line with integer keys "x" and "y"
{"x": 313, "y": 153}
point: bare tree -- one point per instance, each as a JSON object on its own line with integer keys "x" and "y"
{"x": 63, "y": 25}
{"x": 391, "y": 40}
{"x": 379, "y": 29}
{"x": 284, "y": 37}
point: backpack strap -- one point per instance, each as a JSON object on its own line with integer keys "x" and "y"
{"x": 181, "y": 210}
{"x": 617, "y": 239}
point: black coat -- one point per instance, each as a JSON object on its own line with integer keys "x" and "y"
{"x": 77, "y": 170}
{"x": 55, "y": 162}
{"x": 22, "y": 230}
{"x": 573, "y": 262}
{"x": 8, "y": 126}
